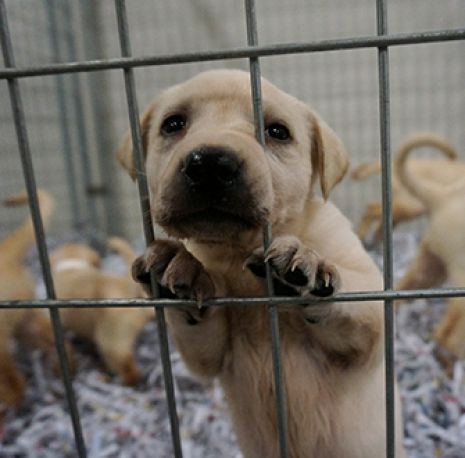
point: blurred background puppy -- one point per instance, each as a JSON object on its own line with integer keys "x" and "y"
{"x": 440, "y": 255}
{"x": 77, "y": 274}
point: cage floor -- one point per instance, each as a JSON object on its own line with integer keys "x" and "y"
{"x": 133, "y": 422}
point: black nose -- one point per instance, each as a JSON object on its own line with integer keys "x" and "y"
{"x": 211, "y": 168}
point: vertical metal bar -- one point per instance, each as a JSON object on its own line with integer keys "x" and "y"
{"x": 123, "y": 31}
{"x": 255, "y": 77}
{"x": 83, "y": 149}
{"x": 28, "y": 171}
{"x": 51, "y": 8}
{"x": 90, "y": 13}
{"x": 384, "y": 112}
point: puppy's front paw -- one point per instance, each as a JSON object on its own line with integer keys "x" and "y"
{"x": 176, "y": 270}
{"x": 295, "y": 268}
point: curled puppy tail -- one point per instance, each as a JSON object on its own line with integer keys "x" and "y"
{"x": 428, "y": 192}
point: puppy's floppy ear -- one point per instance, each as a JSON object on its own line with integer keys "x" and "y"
{"x": 124, "y": 153}
{"x": 329, "y": 158}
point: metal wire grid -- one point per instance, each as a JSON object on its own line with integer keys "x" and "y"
{"x": 61, "y": 117}
{"x": 253, "y": 51}
{"x": 80, "y": 215}
{"x": 26, "y": 161}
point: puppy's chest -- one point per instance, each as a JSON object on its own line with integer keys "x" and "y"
{"x": 233, "y": 280}
{"x": 251, "y": 343}
{"x": 248, "y": 380}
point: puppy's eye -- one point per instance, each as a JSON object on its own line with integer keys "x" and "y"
{"x": 173, "y": 124}
{"x": 278, "y": 132}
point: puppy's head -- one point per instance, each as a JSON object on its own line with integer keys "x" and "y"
{"x": 209, "y": 177}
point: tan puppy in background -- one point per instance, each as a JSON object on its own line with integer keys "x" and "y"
{"x": 441, "y": 255}
{"x": 405, "y": 205}
{"x": 77, "y": 274}
{"x": 16, "y": 282}
{"x": 212, "y": 189}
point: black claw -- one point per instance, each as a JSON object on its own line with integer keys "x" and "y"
{"x": 325, "y": 291}
{"x": 281, "y": 289}
{"x": 258, "y": 269}
{"x": 312, "y": 320}
{"x": 143, "y": 277}
{"x": 296, "y": 277}
{"x": 322, "y": 290}
{"x": 182, "y": 291}
{"x": 165, "y": 293}
{"x": 139, "y": 274}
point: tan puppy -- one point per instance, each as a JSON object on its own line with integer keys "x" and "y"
{"x": 441, "y": 256}
{"x": 406, "y": 206}
{"x": 77, "y": 274}
{"x": 16, "y": 282}
{"x": 212, "y": 188}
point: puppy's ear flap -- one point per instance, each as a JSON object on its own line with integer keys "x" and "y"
{"x": 124, "y": 153}
{"x": 329, "y": 157}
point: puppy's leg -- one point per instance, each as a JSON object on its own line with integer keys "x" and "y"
{"x": 427, "y": 270}
{"x": 200, "y": 332}
{"x": 35, "y": 331}
{"x": 346, "y": 333}
{"x": 372, "y": 214}
{"x": 11, "y": 380}
{"x": 115, "y": 336}
{"x": 401, "y": 211}
{"x": 450, "y": 333}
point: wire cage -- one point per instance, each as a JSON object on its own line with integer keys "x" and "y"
{"x": 76, "y": 74}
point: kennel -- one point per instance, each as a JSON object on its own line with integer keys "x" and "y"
{"x": 75, "y": 68}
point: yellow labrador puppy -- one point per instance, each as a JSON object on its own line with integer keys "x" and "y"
{"x": 77, "y": 274}
{"x": 440, "y": 256}
{"x": 212, "y": 189}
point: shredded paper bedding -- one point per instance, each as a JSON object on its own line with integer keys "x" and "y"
{"x": 120, "y": 421}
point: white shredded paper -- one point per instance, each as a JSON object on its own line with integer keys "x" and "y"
{"x": 132, "y": 422}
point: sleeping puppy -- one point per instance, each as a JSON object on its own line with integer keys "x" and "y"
{"x": 405, "y": 206}
{"x": 212, "y": 188}
{"x": 440, "y": 257}
{"x": 76, "y": 272}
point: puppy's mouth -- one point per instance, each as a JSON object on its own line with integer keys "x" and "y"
{"x": 216, "y": 216}
{"x": 212, "y": 223}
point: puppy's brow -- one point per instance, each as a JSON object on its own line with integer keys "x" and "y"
{"x": 274, "y": 114}
{"x": 183, "y": 107}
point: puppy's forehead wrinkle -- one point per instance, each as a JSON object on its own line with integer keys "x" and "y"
{"x": 231, "y": 93}
{"x": 221, "y": 103}
{"x": 182, "y": 106}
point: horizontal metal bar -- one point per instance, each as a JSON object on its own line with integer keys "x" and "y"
{"x": 236, "y": 301}
{"x": 239, "y": 53}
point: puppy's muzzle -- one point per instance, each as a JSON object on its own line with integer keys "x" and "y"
{"x": 213, "y": 195}
{"x": 211, "y": 168}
